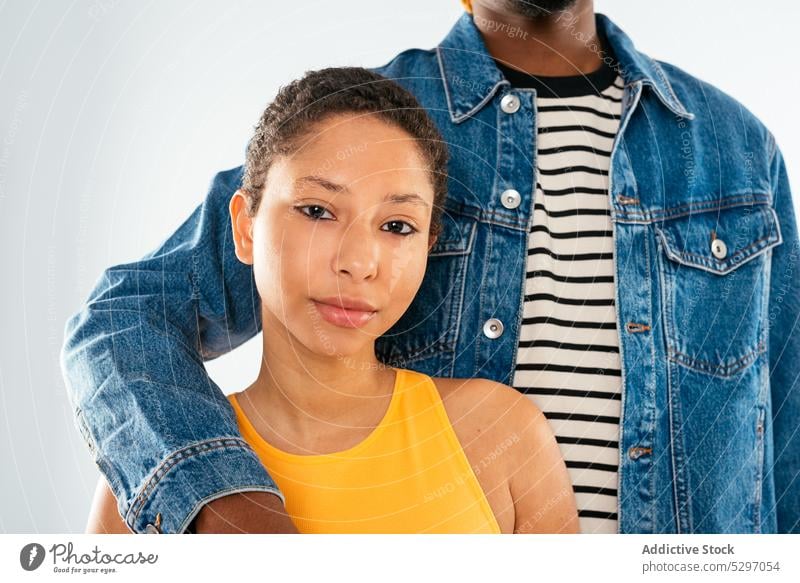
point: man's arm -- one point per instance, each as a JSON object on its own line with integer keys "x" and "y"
{"x": 161, "y": 432}
{"x": 784, "y": 352}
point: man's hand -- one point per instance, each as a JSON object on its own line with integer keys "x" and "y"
{"x": 245, "y": 512}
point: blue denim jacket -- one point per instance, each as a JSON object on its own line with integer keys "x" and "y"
{"x": 709, "y": 337}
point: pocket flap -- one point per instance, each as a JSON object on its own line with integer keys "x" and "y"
{"x": 457, "y": 236}
{"x": 743, "y": 233}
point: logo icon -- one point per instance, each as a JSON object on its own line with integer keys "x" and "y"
{"x": 31, "y": 556}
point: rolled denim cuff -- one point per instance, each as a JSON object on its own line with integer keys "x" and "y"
{"x": 192, "y": 477}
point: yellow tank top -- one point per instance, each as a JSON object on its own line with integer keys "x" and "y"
{"x": 410, "y": 475}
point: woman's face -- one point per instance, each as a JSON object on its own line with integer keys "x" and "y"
{"x": 340, "y": 240}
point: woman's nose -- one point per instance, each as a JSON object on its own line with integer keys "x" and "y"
{"x": 357, "y": 255}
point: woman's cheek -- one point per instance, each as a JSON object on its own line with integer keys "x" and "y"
{"x": 267, "y": 284}
{"x": 406, "y": 284}
{"x": 268, "y": 260}
{"x": 304, "y": 257}
{"x": 407, "y": 269}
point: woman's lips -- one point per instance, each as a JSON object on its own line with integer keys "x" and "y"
{"x": 342, "y": 317}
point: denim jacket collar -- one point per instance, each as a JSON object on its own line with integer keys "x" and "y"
{"x": 471, "y": 77}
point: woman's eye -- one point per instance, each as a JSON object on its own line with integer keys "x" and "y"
{"x": 404, "y": 228}
{"x": 315, "y": 211}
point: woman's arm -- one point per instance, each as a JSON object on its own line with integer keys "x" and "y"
{"x": 103, "y": 515}
{"x": 251, "y": 512}
{"x": 540, "y": 486}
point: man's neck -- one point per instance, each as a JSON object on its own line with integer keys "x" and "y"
{"x": 560, "y": 44}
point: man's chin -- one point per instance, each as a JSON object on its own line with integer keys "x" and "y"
{"x": 536, "y": 8}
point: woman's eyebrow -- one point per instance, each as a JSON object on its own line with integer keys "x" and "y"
{"x": 394, "y": 198}
{"x": 323, "y": 182}
{"x": 411, "y": 197}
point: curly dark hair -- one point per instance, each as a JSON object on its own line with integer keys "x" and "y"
{"x": 341, "y": 90}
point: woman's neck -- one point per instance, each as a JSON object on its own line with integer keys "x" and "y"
{"x": 299, "y": 393}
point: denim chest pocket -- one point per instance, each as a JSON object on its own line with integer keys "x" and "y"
{"x": 714, "y": 270}
{"x": 425, "y": 336}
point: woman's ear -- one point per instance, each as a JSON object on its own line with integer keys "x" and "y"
{"x": 242, "y": 224}
{"x": 431, "y": 241}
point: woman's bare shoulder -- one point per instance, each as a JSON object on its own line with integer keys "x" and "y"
{"x": 503, "y": 430}
{"x": 485, "y": 401}
{"x": 486, "y": 415}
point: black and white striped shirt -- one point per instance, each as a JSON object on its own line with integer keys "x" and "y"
{"x": 568, "y": 355}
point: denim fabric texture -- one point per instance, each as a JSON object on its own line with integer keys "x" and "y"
{"x": 709, "y": 331}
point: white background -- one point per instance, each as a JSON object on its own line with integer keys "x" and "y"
{"x": 115, "y": 115}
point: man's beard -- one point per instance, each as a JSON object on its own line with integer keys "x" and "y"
{"x": 536, "y": 8}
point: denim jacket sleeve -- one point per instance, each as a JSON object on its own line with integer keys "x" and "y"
{"x": 159, "y": 429}
{"x": 784, "y": 352}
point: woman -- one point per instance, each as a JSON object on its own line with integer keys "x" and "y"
{"x": 340, "y": 204}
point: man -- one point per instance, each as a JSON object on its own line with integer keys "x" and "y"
{"x": 619, "y": 243}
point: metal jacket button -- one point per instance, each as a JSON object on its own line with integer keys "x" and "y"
{"x": 509, "y": 103}
{"x": 510, "y": 198}
{"x": 636, "y": 452}
{"x": 154, "y": 528}
{"x": 719, "y": 248}
{"x": 493, "y": 328}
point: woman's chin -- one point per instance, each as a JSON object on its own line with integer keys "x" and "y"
{"x": 343, "y": 349}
